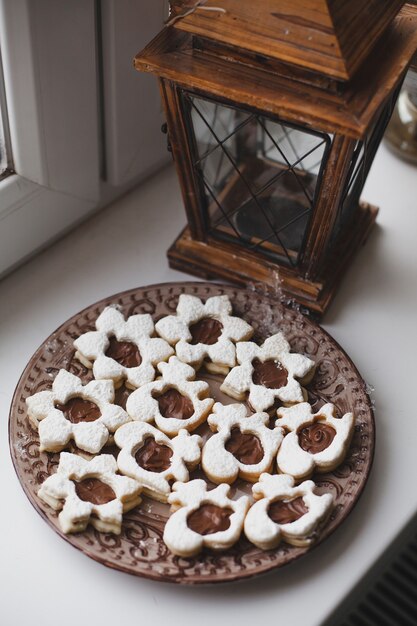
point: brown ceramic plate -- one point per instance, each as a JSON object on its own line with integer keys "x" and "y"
{"x": 139, "y": 549}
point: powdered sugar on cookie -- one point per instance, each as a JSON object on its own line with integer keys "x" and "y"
{"x": 89, "y": 492}
{"x": 174, "y": 402}
{"x": 203, "y": 518}
{"x": 153, "y": 459}
{"x": 204, "y": 332}
{"x": 285, "y": 512}
{"x": 71, "y": 410}
{"x": 316, "y": 441}
{"x": 243, "y": 446}
{"x": 122, "y": 350}
{"x": 267, "y": 372}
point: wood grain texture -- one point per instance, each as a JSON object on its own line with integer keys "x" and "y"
{"x": 187, "y": 62}
{"x": 181, "y": 150}
{"x": 329, "y": 36}
{"x": 325, "y": 211}
{"x": 359, "y": 25}
{"x": 218, "y": 259}
{"x": 172, "y": 55}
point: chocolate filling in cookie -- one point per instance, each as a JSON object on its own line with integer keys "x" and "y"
{"x": 79, "y": 410}
{"x": 270, "y": 374}
{"x": 282, "y": 512}
{"x": 94, "y": 490}
{"x": 316, "y": 437}
{"x": 209, "y": 518}
{"x": 153, "y": 456}
{"x": 206, "y": 330}
{"x": 173, "y": 404}
{"x": 124, "y": 352}
{"x": 245, "y": 447}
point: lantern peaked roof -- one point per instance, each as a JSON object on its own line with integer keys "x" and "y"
{"x": 257, "y": 80}
{"x": 332, "y": 37}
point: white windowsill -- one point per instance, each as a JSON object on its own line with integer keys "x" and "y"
{"x": 373, "y": 318}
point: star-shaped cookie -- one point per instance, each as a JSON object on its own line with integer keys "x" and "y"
{"x": 71, "y": 410}
{"x": 89, "y": 492}
{"x": 267, "y": 373}
{"x": 204, "y": 332}
{"x": 122, "y": 349}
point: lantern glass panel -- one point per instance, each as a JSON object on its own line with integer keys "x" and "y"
{"x": 354, "y": 185}
{"x": 259, "y": 177}
{"x": 362, "y": 158}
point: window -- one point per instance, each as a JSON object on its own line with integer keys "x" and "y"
{"x": 84, "y": 126}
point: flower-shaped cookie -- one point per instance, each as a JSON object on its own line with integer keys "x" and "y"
{"x": 121, "y": 349}
{"x": 316, "y": 441}
{"x": 203, "y": 518}
{"x": 243, "y": 446}
{"x": 268, "y": 373}
{"x": 285, "y": 512}
{"x": 174, "y": 402}
{"x": 71, "y": 410}
{"x": 205, "y": 332}
{"x": 89, "y": 492}
{"x": 153, "y": 459}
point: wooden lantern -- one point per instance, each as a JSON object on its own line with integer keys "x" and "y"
{"x": 275, "y": 110}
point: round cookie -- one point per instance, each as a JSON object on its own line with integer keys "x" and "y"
{"x": 89, "y": 492}
{"x": 283, "y": 511}
{"x": 315, "y": 441}
{"x": 153, "y": 459}
{"x": 268, "y": 373}
{"x": 71, "y": 410}
{"x": 174, "y": 401}
{"x": 203, "y": 518}
{"x": 122, "y": 350}
{"x": 243, "y": 447}
{"x": 204, "y": 332}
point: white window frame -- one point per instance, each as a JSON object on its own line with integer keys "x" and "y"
{"x": 49, "y": 55}
{"x": 5, "y": 147}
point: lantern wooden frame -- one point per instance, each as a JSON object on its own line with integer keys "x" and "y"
{"x": 353, "y": 112}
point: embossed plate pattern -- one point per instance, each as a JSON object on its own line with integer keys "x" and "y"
{"x": 139, "y": 550}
